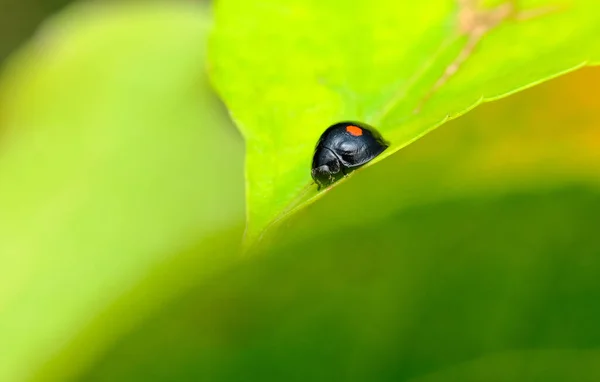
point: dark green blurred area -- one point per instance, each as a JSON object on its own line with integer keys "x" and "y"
{"x": 19, "y": 20}
{"x": 417, "y": 293}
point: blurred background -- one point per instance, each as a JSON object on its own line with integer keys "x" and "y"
{"x": 20, "y": 18}
{"x": 478, "y": 259}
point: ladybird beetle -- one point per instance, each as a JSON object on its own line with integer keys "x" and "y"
{"x": 343, "y": 148}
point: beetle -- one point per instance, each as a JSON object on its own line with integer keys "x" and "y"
{"x": 342, "y": 148}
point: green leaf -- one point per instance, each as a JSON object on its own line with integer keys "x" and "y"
{"x": 287, "y": 70}
{"x": 115, "y": 160}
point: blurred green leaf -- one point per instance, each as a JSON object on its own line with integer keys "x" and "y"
{"x": 287, "y": 70}
{"x": 115, "y": 161}
{"x": 421, "y": 291}
{"x": 525, "y": 366}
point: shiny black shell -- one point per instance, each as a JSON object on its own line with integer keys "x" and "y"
{"x": 343, "y": 148}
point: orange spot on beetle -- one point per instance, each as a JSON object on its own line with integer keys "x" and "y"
{"x": 354, "y": 130}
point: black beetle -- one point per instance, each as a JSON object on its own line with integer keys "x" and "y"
{"x": 342, "y": 148}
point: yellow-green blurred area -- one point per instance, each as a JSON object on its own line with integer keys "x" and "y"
{"x": 472, "y": 254}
